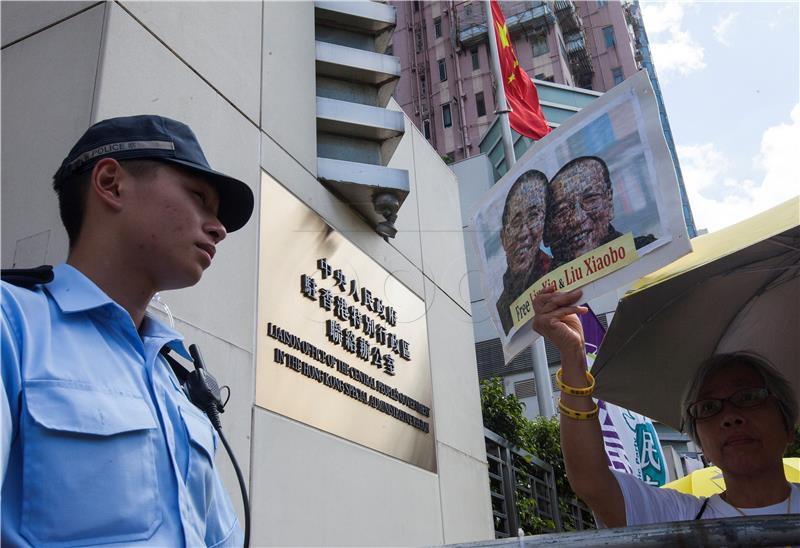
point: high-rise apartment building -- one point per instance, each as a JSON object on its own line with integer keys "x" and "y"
{"x": 446, "y": 84}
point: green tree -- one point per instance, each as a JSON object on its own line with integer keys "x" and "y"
{"x": 502, "y": 414}
{"x": 545, "y": 442}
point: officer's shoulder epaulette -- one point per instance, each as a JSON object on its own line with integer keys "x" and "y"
{"x": 28, "y": 277}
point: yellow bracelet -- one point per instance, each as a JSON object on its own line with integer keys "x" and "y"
{"x": 578, "y": 415}
{"x": 571, "y": 390}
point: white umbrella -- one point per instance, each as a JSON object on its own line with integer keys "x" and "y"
{"x": 739, "y": 289}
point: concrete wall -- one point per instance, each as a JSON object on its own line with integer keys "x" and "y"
{"x": 475, "y": 179}
{"x": 243, "y": 77}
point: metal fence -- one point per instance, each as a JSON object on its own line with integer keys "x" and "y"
{"x": 582, "y": 517}
{"x": 523, "y": 492}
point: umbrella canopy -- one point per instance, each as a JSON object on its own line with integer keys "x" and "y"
{"x": 709, "y": 481}
{"x": 739, "y": 289}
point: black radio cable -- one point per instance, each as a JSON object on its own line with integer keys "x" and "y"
{"x": 203, "y": 391}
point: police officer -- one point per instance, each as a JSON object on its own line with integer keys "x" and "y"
{"x": 99, "y": 443}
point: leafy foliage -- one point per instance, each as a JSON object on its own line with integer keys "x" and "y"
{"x": 502, "y": 414}
{"x": 529, "y": 520}
{"x": 545, "y": 443}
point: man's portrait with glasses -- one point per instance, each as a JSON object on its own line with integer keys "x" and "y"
{"x": 580, "y": 209}
{"x": 521, "y": 235}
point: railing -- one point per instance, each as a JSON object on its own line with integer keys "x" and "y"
{"x": 580, "y": 514}
{"x": 779, "y": 530}
{"x": 579, "y": 59}
{"x": 567, "y": 16}
{"x": 523, "y": 492}
{"x": 575, "y": 42}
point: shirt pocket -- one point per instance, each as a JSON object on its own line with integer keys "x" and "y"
{"x": 89, "y": 471}
{"x": 202, "y": 449}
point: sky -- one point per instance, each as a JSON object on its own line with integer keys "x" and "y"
{"x": 730, "y": 77}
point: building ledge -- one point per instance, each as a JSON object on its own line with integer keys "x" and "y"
{"x": 356, "y": 65}
{"x": 357, "y": 120}
{"x": 374, "y": 191}
{"x": 367, "y": 17}
{"x": 370, "y": 175}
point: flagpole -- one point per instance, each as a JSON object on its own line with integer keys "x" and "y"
{"x": 502, "y": 104}
{"x": 541, "y": 372}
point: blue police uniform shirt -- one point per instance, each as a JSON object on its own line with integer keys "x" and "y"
{"x": 99, "y": 443}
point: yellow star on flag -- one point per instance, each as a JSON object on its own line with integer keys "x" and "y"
{"x": 511, "y": 78}
{"x": 516, "y": 63}
{"x": 503, "y": 34}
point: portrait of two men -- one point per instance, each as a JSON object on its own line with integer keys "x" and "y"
{"x": 571, "y": 215}
{"x": 601, "y": 186}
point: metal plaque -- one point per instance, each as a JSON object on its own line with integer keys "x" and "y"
{"x": 342, "y": 345}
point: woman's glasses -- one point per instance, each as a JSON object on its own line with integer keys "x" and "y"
{"x": 749, "y": 397}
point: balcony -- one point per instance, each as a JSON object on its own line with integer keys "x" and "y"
{"x": 579, "y": 59}
{"x": 521, "y": 17}
{"x": 567, "y": 16}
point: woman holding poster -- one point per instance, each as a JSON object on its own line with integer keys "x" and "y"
{"x": 738, "y": 408}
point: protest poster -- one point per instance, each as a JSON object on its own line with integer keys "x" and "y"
{"x": 595, "y": 204}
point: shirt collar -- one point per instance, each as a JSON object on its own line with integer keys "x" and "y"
{"x": 154, "y": 328}
{"x": 74, "y": 292}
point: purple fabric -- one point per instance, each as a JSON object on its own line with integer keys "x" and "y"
{"x": 593, "y": 333}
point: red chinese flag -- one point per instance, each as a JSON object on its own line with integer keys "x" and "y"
{"x": 526, "y": 116}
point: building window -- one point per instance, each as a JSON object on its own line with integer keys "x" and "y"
{"x": 418, "y": 40}
{"x": 437, "y": 27}
{"x": 480, "y": 104}
{"x": 601, "y": 3}
{"x": 616, "y": 74}
{"x": 468, "y": 9}
{"x": 540, "y": 45}
{"x": 442, "y": 70}
{"x": 416, "y": 5}
{"x": 447, "y": 119}
{"x": 423, "y": 85}
{"x": 525, "y": 389}
{"x": 426, "y": 129}
{"x": 608, "y": 35}
{"x": 476, "y": 62}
